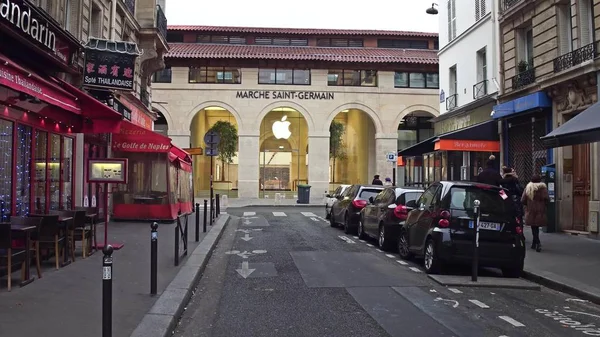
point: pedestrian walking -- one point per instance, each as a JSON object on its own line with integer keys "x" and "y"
{"x": 510, "y": 181}
{"x": 490, "y": 176}
{"x": 535, "y": 199}
{"x": 376, "y": 180}
{"x": 388, "y": 182}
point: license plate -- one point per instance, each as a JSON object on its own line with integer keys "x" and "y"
{"x": 489, "y": 225}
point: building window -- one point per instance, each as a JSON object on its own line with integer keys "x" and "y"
{"x": 481, "y": 65}
{"x": 352, "y": 78}
{"x": 436, "y": 44}
{"x": 280, "y": 41}
{"x": 284, "y": 76}
{"x": 175, "y": 37}
{"x": 416, "y": 80}
{"x": 451, "y": 20}
{"x": 565, "y": 28}
{"x": 356, "y": 43}
{"x": 162, "y": 76}
{"x": 480, "y": 10}
{"x": 403, "y": 44}
{"x": 453, "y": 80}
{"x": 215, "y": 75}
{"x": 96, "y": 22}
{"x": 525, "y": 49}
{"x": 586, "y": 21}
{"x": 221, "y": 39}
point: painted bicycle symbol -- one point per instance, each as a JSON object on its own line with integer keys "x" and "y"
{"x": 245, "y": 254}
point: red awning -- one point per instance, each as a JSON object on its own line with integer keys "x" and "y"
{"x": 103, "y": 118}
{"x": 183, "y": 158}
{"x": 20, "y": 79}
{"x": 133, "y": 138}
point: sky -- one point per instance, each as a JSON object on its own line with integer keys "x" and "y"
{"x": 408, "y": 15}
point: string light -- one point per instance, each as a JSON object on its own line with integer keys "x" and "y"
{"x": 5, "y": 169}
{"x": 23, "y": 169}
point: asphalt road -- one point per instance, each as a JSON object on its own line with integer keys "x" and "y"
{"x": 286, "y": 272}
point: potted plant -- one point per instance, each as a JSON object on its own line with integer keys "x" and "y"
{"x": 523, "y": 66}
{"x": 228, "y": 142}
{"x": 336, "y": 144}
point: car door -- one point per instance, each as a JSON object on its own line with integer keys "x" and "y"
{"x": 345, "y": 199}
{"x": 427, "y": 219}
{"x": 420, "y": 216}
{"x": 334, "y": 195}
{"x": 371, "y": 214}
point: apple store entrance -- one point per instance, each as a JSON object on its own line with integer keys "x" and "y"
{"x": 283, "y": 154}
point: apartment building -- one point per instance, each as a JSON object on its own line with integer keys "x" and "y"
{"x": 549, "y": 62}
{"x": 379, "y": 89}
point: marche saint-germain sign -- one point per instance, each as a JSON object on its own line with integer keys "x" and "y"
{"x": 279, "y": 94}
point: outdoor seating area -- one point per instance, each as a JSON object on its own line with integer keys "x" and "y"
{"x": 53, "y": 239}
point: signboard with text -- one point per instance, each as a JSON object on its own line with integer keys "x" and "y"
{"x": 107, "y": 170}
{"x": 108, "y": 69}
{"x": 281, "y": 94}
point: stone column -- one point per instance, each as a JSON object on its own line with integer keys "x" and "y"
{"x": 384, "y": 143}
{"x": 79, "y": 178}
{"x": 248, "y": 172}
{"x": 318, "y": 164}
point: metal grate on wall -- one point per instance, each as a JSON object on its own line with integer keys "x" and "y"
{"x": 526, "y": 153}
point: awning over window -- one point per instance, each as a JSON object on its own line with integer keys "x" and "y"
{"x": 133, "y": 138}
{"x": 482, "y": 137}
{"x": 419, "y": 148}
{"x": 182, "y": 158}
{"x": 581, "y": 129}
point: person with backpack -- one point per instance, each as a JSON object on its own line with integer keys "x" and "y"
{"x": 510, "y": 181}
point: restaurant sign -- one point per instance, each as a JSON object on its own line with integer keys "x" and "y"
{"x": 28, "y": 22}
{"x": 122, "y": 109}
{"x": 280, "y": 94}
{"x": 108, "y": 69}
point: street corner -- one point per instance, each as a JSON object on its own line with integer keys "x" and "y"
{"x": 484, "y": 282}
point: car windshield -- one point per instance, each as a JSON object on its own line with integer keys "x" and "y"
{"x": 411, "y": 196}
{"x": 462, "y": 198}
{"x": 365, "y": 194}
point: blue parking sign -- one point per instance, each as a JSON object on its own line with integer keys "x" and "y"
{"x": 471, "y": 224}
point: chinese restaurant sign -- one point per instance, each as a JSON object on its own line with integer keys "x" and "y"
{"x": 29, "y": 23}
{"x": 108, "y": 69}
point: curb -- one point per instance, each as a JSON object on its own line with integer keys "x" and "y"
{"x": 560, "y": 286}
{"x": 162, "y": 318}
{"x": 275, "y": 206}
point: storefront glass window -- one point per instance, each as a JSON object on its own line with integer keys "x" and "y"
{"x": 41, "y": 146}
{"x": 23, "y": 169}
{"x": 6, "y": 145}
{"x": 67, "y": 169}
{"x": 184, "y": 186}
{"x": 146, "y": 179}
{"x": 54, "y": 171}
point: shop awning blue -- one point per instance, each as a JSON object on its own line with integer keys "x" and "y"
{"x": 419, "y": 148}
{"x": 581, "y": 129}
{"x": 482, "y": 131}
{"x": 537, "y": 100}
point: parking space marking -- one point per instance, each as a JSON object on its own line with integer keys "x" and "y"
{"x": 279, "y": 214}
{"x": 379, "y": 250}
{"x": 345, "y": 238}
{"x": 402, "y": 262}
{"x": 249, "y": 213}
{"x": 390, "y": 256}
{"x": 454, "y": 290}
{"x": 309, "y": 214}
{"x": 511, "y": 321}
{"x": 479, "y": 304}
{"x": 362, "y": 241}
{"x": 415, "y": 269}
{"x": 356, "y": 237}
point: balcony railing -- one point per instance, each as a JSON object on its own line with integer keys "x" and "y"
{"x": 480, "y": 89}
{"x": 507, "y": 4}
{"x": 523, "y": 78}
{"x": 145, "y": 97}
{"x": 575, "y": 57}
{"x": 451, "y": 102}
{"x": 130, "y": 4}
{"x": 161, "y": 22}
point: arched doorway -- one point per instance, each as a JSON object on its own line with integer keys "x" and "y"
{"x": 160, "y": 124}
{"x": 225, "y": 174}
{"x": 283, "y": 153}
{"x": 351, "y": 148}
{"x": 414, "y": 128}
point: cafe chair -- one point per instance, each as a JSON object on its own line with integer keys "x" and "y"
{"x": 70, "y": 230}
{"x": 50, "y": 235}
{"x": 8, "y": 254}
{"x": 81, "y": 232}
{"x": 34, "y": 238}
{"x": 91, "y": 218}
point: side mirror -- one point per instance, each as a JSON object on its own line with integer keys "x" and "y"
{"x": 371, "y": 199}
{"x": 411, "y": 204}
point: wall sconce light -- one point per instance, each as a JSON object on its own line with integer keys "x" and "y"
{"x": 432, "y": 10}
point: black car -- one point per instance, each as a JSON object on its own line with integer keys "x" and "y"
{"x": 385, "y": 215}
{"x": 441, "y": 228}
{"x": 346, "y": 211}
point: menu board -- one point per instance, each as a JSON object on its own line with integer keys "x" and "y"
{"x": 112, "y": 170}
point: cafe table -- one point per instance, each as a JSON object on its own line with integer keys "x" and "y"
{"x": 26, "y": 231}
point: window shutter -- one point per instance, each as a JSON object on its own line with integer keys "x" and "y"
{"x": 585, "y": 14}
{"x": 563, "y": 28}
{"x": 477, "y": 10}
{"x": 73, "y": 17}
{"x": 450, "y": 20}
{"x": 453, "y": 18}
{"x": 482, "y": 9}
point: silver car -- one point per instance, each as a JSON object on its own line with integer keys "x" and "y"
{"x": 333, "y": 197}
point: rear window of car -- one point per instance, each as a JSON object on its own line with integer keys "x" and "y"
{"x": 411, "y": 196}
{"x": 491, "y": 202}
{"x": 366, "y": 193}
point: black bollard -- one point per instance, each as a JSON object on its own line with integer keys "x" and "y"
{"x": 218, "y": 204}
{"x": 153, "y": 258}
{"x": 212, "y": 210}
{"x": 475, "y": 263}
{"x": 205, "y": 214}
{"x": 107, "y": 262}
{"x": 197, "y": 222}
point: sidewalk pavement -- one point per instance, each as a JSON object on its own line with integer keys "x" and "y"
{"x": 68, "y": 301}
{"x": 567, "y": 263}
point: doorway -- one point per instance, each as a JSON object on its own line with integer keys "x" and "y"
{"x": 581, "y": 186}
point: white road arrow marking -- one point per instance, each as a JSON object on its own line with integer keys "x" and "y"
{"x": 576, "y": 300}
{"x": 247, "y": 222}
{"x": 245, "y": 271}
{"x": 454, "y": 303}
{"x": 345, "y": 238}
{"x": 582, "y": 313}
{"x": 247, "y": 237}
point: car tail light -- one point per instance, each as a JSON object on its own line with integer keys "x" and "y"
{"x": 444, "y": 222}
{"x": 519, "y": 230}
{"x": 359, "y": 203}
{"x": 518, "y": 220}
{"x": 401, "y": 212}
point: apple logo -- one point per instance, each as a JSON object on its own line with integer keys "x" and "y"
{"x": 281, "y": 129}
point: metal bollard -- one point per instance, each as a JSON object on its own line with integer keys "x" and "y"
{"x": 205, "y": 214}
{"x": 475, "y": 264}
{"x": 153, "y": 258}
{"x": 218, "y": 205}
{"x": 107, "y": 262}
{"x": 212, "y": 211}
{"x": 197, "y": 222}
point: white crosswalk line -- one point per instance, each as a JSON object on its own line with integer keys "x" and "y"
{"x": 402, "y": 262}
{"x": 511, "y": 321}
{"x": 479, "y": 304}
{"x": 279, "y": 214}
{"x": 454, "y": 290}
{"x": 390, "y": 256}
{"x": 308, "y": 214}
{"x": 415, "y": 269}
{"x": 249, "y": 213}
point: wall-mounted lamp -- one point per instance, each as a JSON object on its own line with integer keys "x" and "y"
{"x": 432, "y": 9}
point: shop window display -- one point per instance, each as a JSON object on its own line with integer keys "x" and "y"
{"x": 41, "y": 147}
{"x": 23, "y": 170}
{"x": 53, "y": 167}
{"x": 6, "y": 145}
{"x": 67, "y": 173}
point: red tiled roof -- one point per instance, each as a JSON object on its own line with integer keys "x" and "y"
{"x": 358, "y": 55}
{"x": 299, "y": 31}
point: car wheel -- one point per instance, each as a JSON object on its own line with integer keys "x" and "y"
{"x": 514, "y": 272}
{"x": 327, "y": 213}
{"x": 403, "y": 247}
{"x": 332, "y": 220}
{"x": 347, "y": 229}
{"x": 361, "y": 230}
{"x": 382, "y": 239}
{"x": 432, "y": 262}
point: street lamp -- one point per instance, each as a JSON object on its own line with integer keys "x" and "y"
{"x": 432, "y": 9}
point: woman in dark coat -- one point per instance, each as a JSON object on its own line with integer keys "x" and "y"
{"x": 535, "y": 198}
{"x": 510, "y": 181}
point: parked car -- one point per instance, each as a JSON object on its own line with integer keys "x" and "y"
{"x": 385, "y": 214}
{"x": 346, "y": 211}
{"x": 441, "y": 228}
{"x": 331, "y": 198}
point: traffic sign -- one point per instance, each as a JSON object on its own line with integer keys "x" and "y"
{"x": 391, "y": 157}
{"x": 212, "y": 138}
{"x": 212, "y": 152}
{"x": 194, "y": 151}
